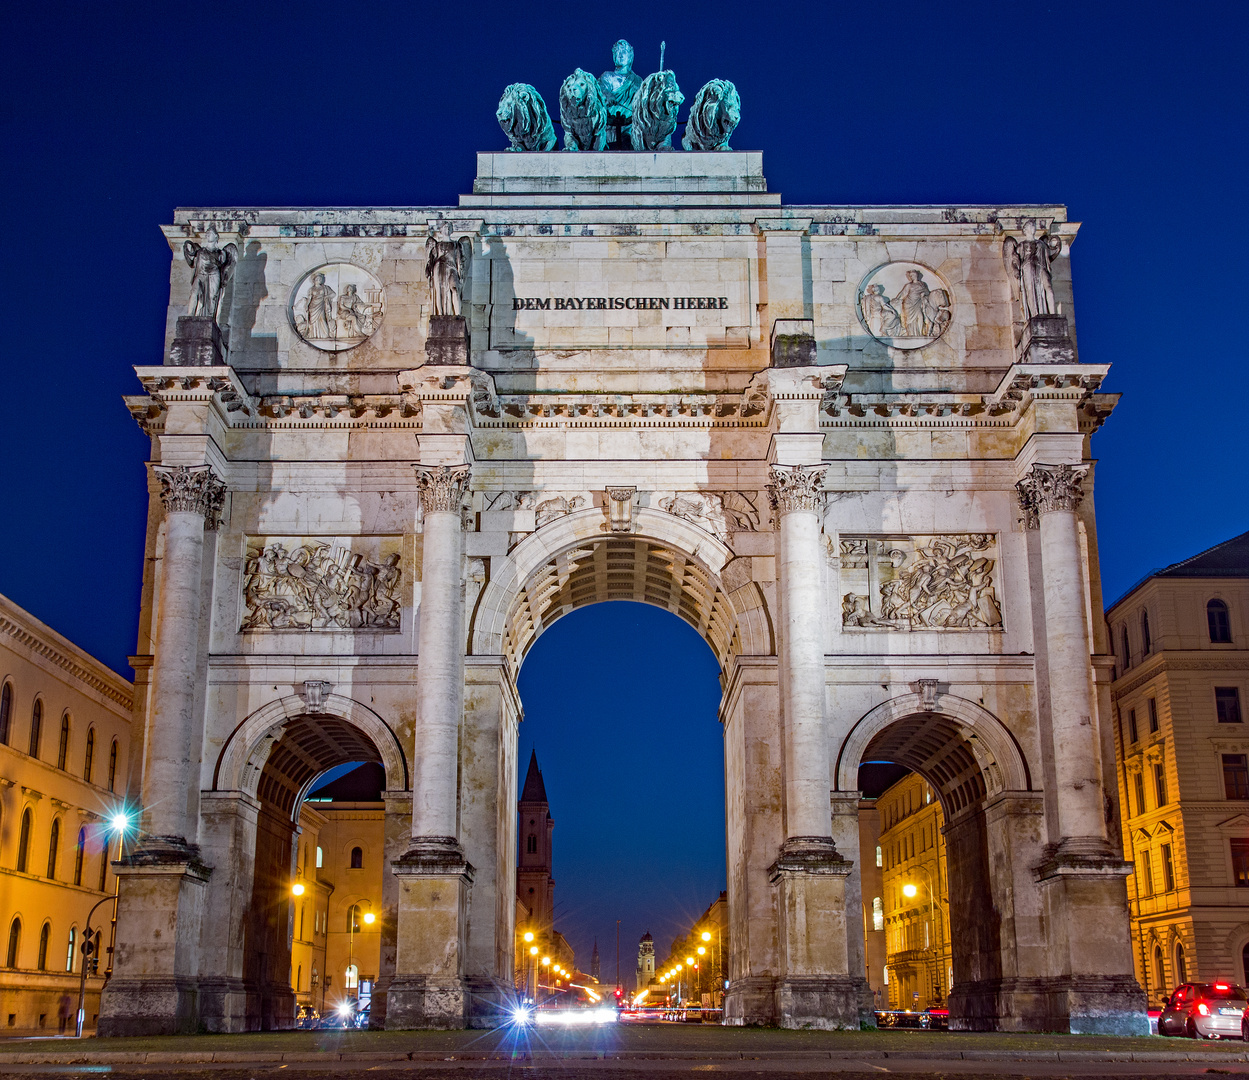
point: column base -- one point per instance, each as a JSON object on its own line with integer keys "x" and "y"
{"x": 750, "y": 1002}
{"x": 824, "y": 1003}
{"x": 427, "y": 1001}
{"x": 149, "y": 1006}
{"x": 223, "y": 1007}
{"x": 447, "y": 342}
{"x": 1079, "y": 1005}
{"x": 490, "y": 1002}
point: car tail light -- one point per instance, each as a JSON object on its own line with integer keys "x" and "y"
{"x": 1203, "y": 1008}
{"x": 1221, "y": 986}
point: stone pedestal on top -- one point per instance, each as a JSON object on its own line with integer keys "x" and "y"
{"x": 1047, "y": 340}
{"x": 196, "y": 343}
{"x": 448, "y": 340}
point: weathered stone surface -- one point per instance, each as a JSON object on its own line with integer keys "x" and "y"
{"x": 196, "y": 343}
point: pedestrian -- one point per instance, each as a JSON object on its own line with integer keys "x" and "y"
{"x": 64, "y": 1012}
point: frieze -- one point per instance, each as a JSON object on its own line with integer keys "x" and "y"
{"x": 935, "y": 582}
{"x": 321, "y": 583}
{"x": 720, "y": 513}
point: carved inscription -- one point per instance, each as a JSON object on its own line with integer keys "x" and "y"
{"x": 315, "y": 583}
{"x": 920, "y": 582}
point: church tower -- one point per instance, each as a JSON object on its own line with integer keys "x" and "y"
{"x": 646, "y": 962}
{"x": 596, "y": 966}
{"x": 534, "y": 885}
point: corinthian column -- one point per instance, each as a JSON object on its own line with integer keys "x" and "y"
{"x": 440, "y": 667}
{"x": 1049, "y": 496}
{"x": 796, "y": 497}
{"x": 192, "y": 496}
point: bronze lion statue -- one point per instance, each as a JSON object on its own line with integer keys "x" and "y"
{"x": 583, "y": 112}
{"x": 715, "y": 113}
{"x": 523, "y": 117}
{"x": 655, "y": 108}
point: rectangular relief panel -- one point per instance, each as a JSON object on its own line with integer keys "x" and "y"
{"x": 946, "y": 582}
{"x": 321, "y": 583}
{"x": 628, "y": 300}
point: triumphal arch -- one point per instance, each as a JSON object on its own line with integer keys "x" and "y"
{"x": 850, "y": 445}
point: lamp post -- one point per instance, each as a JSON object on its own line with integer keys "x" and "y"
{"x": 120, "y": 824}
{"x": 369, "y": 919}
{"x": 910, "y": 891}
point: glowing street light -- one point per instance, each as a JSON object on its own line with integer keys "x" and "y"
{"x": 297, "y": 889}
{"x": 706, "y": 935}
{"x": 910, "y": 891}
{"x": 528, "y": 935}
{"x": 701, "y": 951}
{"x": 546, "y": 961}
{"x": 369, "y": 918}
{"x": 533, "y": 950}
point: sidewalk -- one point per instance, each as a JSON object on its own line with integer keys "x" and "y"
{"x": 617, "y": 1042}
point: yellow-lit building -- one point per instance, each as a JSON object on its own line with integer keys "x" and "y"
{"x": 697, "y": 963}
{"x": 914, "y": 896}
{"x": 64, "y": 767}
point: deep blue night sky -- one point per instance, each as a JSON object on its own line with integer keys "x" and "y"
{"x": 111, "y": 115}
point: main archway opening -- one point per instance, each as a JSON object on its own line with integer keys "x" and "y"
{"x": 932, "y": 916}
{"x": 621, "y": 643}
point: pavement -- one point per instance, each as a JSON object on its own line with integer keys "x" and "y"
{"x": 626, "y": 1051}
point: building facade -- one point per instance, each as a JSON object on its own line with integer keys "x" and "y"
{"x": 849, "y": 445}
{"x": 1181, "y": 641}
{"x": 914, "y": 896}
{"x": 64, "y": 768}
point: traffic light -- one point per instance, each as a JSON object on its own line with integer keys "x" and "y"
{"x": 619, "y": 993}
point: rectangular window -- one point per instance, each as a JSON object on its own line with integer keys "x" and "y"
{"x": 1235, "y": 776}
{"x": 1227, "y": 704}
{"x": 1138, "y": 780}
{"x": 1240, "y": 863}
{"x": 878, "y": 914}
{"x": 1133, "y": 734}
{"x": 1168, "y": 869}
{"x": 1160, "y": 783}
{"x": 1145, "y": 873}
{"x": 1153, "y": 715}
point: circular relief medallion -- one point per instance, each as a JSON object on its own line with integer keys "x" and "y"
{"x": 905, "y": 305}
{"x": 337, "y": 306}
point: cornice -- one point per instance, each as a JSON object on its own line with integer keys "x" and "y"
{"x": 34, "y": 643}
{"x": 1162, "y": 663}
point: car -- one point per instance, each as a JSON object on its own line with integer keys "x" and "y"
{"x": 1205, "y": 1011}
{"x": 935, "y": 1018}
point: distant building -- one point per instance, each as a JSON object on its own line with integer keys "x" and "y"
{"x": 914, "y": 896}
{"x": 64, "y": 772}
{"x": 646, "y": 962}
{"x": 1181, "y": 686}
{"x": 698, "y": 960}
{"x": 596, "y": 966}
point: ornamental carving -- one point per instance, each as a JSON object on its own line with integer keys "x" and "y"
{"x": 1050, "y": 487}
{"x": 305, "y": 584}
{"x": 921, "y": 582}
{"x": 720, "y": 513}
{"x": 796, "y": 487}
{"x": 905, "y": 305}
{"x": 192, "y": 489}
{"x": 549, "y": 510}
{"x": 337, "y": 306}
{"x": 442, "y": 487}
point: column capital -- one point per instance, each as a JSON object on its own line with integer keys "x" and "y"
{"x": 1050, "y": 487}
{"x": 796, "y": 487}
{"x": 192, "y": 489}
{"x": 442, "y": 487}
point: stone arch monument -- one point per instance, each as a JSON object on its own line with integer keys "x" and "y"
{"x": 835, "y": 440}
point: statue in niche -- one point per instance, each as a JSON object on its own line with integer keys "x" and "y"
{"x": 212, "y": 267}
{"x": 1031, "y": 261}
{"x": 355, "y": 315}
{"x": 582, "y": 112}
{"x": 523, "y": 117}
{"x": 319, "y": 311}
{"x": 618, "y": 88}
{"x": 445, "y": 263}
{"x": 655, "y": 108}
{"x": 716, "y": 111}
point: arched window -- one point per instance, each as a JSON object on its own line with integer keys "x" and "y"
{"x": 62, "y": 748}
{"x": 878, "y": 913}
{"x": 1126, "y": 646}
{"x": 42, "y": 960}
{"x": 357, "y": 858}
{"x": 69, "y": 953}
{"x": 104, "y": 866}
{"x": 353, "y": 919}
{"x": 531, "y": 845}
{"x": 320, "y": 857}
{"x": 1160, "y": 972}
{"x": 112, "y": 766}
{"x": 79, "y": 851}
{"x": 15, "y": 942}
{"x": 36, "y": 728}
{"x": 23, "y": 842}
{"x": 351, "y": 978}
{"x": 6, "y": 710}
{"x": 54, "y": 844}
{"x": 1146, "y": 641}
{"x": 1181, "y": 966}
{"x": 89, "y": 763}
{"x": 1219, "y": 623}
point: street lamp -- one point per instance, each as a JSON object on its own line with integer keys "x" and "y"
{"x": 368, "y": 917}
{"x": 119, "y": 823}
{"x": 910, "y": 892}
